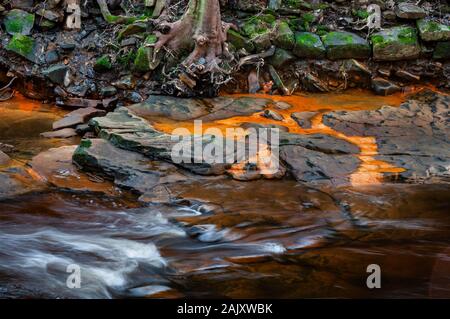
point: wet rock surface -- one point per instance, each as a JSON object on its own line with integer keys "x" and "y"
{"x": 4, "y": 159}
{"x": 204, "y": 228}
{"x": 319, "y": 159}
{"x": 414, "y": 136}
{"x": 129, "y": 170}
{"x": 303, "y": 118}
{"x": 204, "y": 109}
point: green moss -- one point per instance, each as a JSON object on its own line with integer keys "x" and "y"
{"x": 18, "y": 21}
{"x": 151, "y": 39}
{"x": 321, "y": 30}
{"x": 345, "y": 45}
{"x": 239, "y": 41}
{"x": 339, "y": 37}
{"x": 432, "y": 26}
{"x": 395, "y": 44}
{"x": 284, "y": 37}
{"x": 103, "y": 64}
{"x": 85, "y": 143}
{"x": 21, "y": 44}
{"x": 308, "y": 17}
{"x": 306, "y": 38}
{"x": 258, "y": 25}
{"x": 308, "y": 45}
{"x": 297, "y": 4}
{"x": 433, "y": 31}
{"x": 142, "y": 60}
{"x": 362, "y": 14}
{"x": 126, "y": 59}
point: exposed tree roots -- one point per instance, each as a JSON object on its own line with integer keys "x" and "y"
{"x": 198, "y": 39}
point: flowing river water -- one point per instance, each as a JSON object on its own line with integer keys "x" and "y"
{"x": 265, "y": 238}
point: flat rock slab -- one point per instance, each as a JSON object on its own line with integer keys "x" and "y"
{"x": 414, "y": 136}
{"x": 204, "y": 109}
{"x": 129, "y": 170}
{"x": 77, "y": 117}
{"x": 64, "y": 133}
{"x": 130, "y": 132}
{"x": 318, "y": 168}
{"x": 55, "y": 167}
{"x": 319, "y": 159}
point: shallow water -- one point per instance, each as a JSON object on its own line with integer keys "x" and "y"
{"x": 252, "y": 239}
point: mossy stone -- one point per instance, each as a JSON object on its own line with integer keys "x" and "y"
{"x": 433, "y": 31}
{"x": 135, "y": 28}
{"x": 19, "y": 22}
{"x": 308, "y": 45}
{"x": 239, "y": 41}
{"x": 345, "y": 45}
{"x": 142, "y": 60}
{"x": 297, "y": 4}
{"x": 281, "y": 58}
{"x": 103, "y": 64}
{"x": 284, "y": 37}
{"x": 45, "y": 24}
{"x": 144, "y": 55}
{"x": 24, "y": 46}
{"x": 442, "y": 51}
{"x": 258, "y": 29}
{"x": 394, "y": 44}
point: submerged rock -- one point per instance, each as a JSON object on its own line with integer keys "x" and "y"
{"x": 63, "y": 133}
{"x": 55, "y": 166}
{"x": 76, "y": 117}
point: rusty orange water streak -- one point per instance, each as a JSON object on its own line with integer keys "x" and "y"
{"x": 370, "y": 170}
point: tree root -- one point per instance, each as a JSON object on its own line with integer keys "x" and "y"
{"x": 202, "y": 32}
{"x": 113, "y": 19}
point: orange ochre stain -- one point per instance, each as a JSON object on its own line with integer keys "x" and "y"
{"x": 370, "y": 170}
